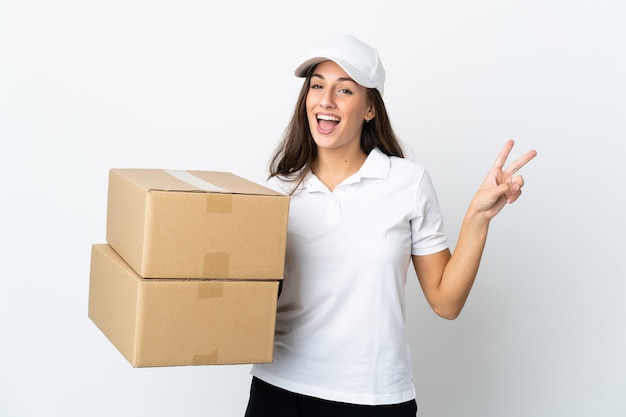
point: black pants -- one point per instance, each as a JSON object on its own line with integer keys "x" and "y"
{"x": 269, "y": 401}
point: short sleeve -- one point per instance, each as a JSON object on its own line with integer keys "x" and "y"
{"x": 427, "y": 235}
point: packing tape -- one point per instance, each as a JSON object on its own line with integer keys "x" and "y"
{"x": 209, "y": 359}
{"x": 210, "y": 290}
{"x": 217, "y": 265}
{"x": 191, "y": 179}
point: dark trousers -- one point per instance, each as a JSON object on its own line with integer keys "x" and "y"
{"x": 269, "y": 401}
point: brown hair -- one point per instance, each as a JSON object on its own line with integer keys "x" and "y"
{"x": 297, "y": 149}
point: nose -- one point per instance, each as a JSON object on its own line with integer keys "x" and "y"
{"x": 327, "y": 99}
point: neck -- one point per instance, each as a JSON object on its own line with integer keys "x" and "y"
{"x": 334, "y": 166}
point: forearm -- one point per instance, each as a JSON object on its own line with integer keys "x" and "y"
{"x": 461, "y": 269}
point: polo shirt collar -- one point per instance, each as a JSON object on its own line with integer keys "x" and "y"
{"x": 376, "y": 165}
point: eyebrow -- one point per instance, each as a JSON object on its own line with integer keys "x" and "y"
{"x": 315, "y": 74}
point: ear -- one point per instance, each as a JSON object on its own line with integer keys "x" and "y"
{"x": 371, "y": 113}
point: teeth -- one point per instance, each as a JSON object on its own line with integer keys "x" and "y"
{"x": 325, "y": 117}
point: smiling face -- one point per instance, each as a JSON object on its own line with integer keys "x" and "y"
{"x": 336, "y": 108}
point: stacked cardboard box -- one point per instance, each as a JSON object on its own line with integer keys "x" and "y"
{"x": 191, "y": 268}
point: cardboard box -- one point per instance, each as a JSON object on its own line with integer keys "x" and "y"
{"x": 162, "y": 322}
{"x": 196, "y": 224}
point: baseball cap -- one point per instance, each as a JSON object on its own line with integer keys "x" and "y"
{"x": 358, "y": 59}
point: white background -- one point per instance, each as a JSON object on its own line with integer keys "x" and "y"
{"x": 90, "y": 85}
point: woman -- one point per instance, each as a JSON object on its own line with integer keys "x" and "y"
{"x": 359, "y": 214}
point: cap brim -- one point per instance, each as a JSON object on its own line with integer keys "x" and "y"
{"x": 303, "y": 70}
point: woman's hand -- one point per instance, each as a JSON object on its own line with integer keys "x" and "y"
{"x": 501, "y": 186}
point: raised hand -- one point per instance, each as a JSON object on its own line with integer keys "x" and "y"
{"x": 501, "y": 186}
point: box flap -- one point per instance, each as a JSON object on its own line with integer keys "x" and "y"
{"x": 192, "y": 181}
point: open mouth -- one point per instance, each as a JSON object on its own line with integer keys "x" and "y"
{"x": 327, "y": 122}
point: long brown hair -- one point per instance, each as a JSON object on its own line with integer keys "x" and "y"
{"x": 297, "y": 149}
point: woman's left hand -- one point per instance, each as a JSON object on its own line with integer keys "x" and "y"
{"x": 501, "y": 186}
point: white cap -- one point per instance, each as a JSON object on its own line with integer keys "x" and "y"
{"x": 358, "y": 59}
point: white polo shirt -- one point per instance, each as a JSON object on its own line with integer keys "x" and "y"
{"x": 340, "y": 321}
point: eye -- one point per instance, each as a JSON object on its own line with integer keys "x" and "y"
{"x": 314, "y": 86}
{"x": 345, "y": 91}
